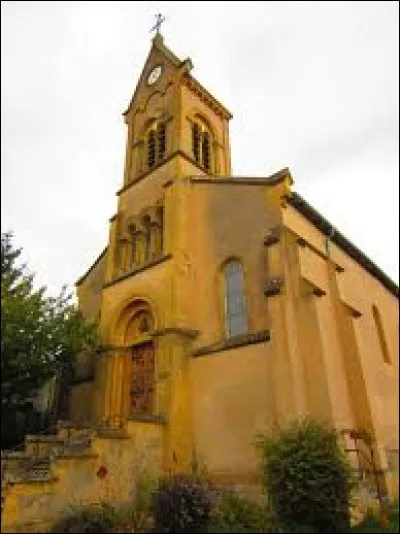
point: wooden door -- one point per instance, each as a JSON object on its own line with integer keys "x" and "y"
{"x": 142, "y": 381}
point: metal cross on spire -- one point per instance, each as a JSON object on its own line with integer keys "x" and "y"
{"x": 160, "y": 19}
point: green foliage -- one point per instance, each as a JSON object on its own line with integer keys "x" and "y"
{"x": 394, "y": 516}
{"x": 134, "y": 516}
{"x": 372, "y": 523}
{"x": 235, "y": 513}
{"x": 101, "y": 517}
{"x": 17, "y": 421}
{"x": 141, "y": 508}
{"x": 40, "y": 335}
{"x": 307, "y": 477}
{"x": 181, "y": 503}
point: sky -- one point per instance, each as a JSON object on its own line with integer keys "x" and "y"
{"x": 313, "y": 86}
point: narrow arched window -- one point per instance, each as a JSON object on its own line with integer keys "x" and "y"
{"x": 205, "y": 151}
{"x": 196, "y": 142}
{"x": 156, "y": 143}
{"x": 381, "y": 334}
{"x": 161, "y": 138}
{"x": 236, "y": 319}
{"x": 151, "y": 148}
{"x": 201, "y": 145}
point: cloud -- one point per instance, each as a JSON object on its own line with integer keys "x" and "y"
{"x": 312, "y": 85}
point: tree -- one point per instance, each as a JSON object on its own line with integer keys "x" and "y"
{"x": 40, "y": 336}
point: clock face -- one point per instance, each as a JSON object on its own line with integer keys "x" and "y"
{"x": 154, "y": 75}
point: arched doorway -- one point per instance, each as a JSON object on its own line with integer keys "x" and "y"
{"x": 141, "y": 367}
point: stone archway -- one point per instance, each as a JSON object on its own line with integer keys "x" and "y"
{"x": 129, "y": 371}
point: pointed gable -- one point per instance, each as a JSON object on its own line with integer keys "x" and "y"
{"x": 167, "y": 108}
{"x": 159, "y": 55}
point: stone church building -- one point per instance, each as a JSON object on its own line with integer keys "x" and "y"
{"x": 228, "y": 306}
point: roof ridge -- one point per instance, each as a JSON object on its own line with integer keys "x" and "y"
{"x": 297, "y": 201}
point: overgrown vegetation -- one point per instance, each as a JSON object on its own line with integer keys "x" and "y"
{"x": 373, "y": 523}
{"x": 141, "y": 513}
{"x": 99, "y": 517}
{"x": 307, "y": 478}
{"x": 195, "y": 506}
{"x": 182, "y": 504}
{"x": 40, "y": 336}
{"x": 236, "y": 513}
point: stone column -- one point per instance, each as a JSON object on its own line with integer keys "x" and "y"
{"x": 216, "y": 157}
{"x": 155, "y": 240}
{"x": 121, "y": 384}
{"x": 112, "y": 249}
{"x": 113, "y": 386}
{"x": 123, "y": 255}
{"x": 140, "y": 159}
{"x": 139, "y": 249}
{"x": 125, "y": 374}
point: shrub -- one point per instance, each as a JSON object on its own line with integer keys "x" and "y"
{"x": 141, "y": 508}
{"x": 181, "y": 503}
{"x": 394, "y": 515}
{"x": 370, "y": 523}
{"x": 99, "y": 517}
{"x": 235, "y": 513}
{"x": 307, "y": 477}
{"x": 373, "y": 523}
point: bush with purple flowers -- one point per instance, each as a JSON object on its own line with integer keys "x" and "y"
{"x": 182, "y": 503}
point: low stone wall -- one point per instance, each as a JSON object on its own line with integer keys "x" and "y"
{"x": 104, "y": 470}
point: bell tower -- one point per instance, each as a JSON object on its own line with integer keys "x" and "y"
{"x": 172, "y": 118}
{"x": 176, "y": 129}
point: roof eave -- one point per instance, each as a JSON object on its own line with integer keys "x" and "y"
{"x": 295, "y": 200}
{"x": 99, "y": 258}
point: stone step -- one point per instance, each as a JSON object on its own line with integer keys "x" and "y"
{"x": 67, "y": 429}
{"x": 37, "y": 477}
{"x": 54, "y": 445}
{"x": 43, "y": 445}
{"x": 25, "y": 468}
{"x": 79, "y": 442}
{"x": 111, "y": 433}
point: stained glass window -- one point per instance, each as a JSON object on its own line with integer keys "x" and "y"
{"x": 235, "y": 299}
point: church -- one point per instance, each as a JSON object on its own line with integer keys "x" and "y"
{"x": 228, "y": 306}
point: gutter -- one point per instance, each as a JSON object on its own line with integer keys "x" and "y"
{"x": 295, "y": 200}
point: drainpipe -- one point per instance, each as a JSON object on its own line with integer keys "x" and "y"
{"x": 329, "y": 237}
